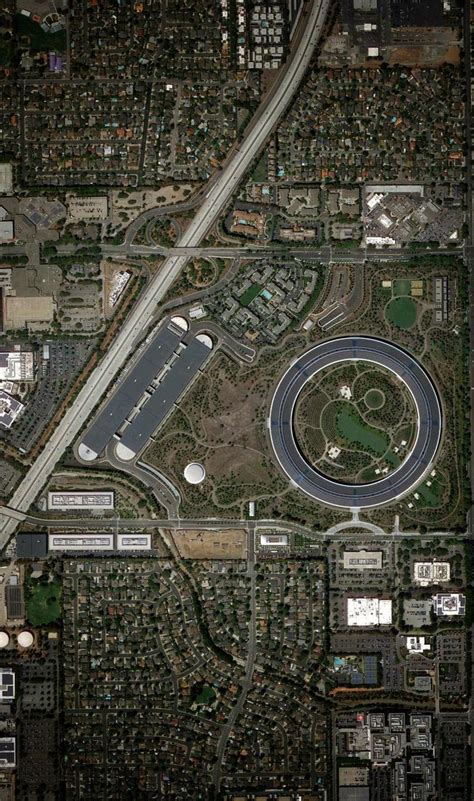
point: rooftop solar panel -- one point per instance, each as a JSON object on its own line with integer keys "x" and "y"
{"x": 169, "y": 390}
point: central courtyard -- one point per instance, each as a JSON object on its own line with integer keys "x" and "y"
{"x": 355, "y": 422}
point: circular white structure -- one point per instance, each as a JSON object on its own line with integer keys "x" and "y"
{"x": 181, "y": 322}
{"x": 25, "y": 639}
{"x": 123, "y": 453}
{"x": 206, "y": 340}
{"x": 4, "y": 639}
{"x": 86, "y": 454}
{"x": 194, "y": 473}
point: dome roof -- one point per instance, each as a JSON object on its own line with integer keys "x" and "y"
{"x": 194, "y": 473}
{"x": 181, "y": 322}
{"x": 25, "y": 639}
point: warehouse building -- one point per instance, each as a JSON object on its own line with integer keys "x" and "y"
{"x": 369, "y": 612}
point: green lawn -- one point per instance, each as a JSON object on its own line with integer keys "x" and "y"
{"x": 356, "y": 431}
{"x": 392, "y": 458}
{"x": 369, "y": 474}
{"x": 374, "y": 398}
{"x": 260, "y": 172}
{"x": 402, "y": 312}
{"x": 402, "y": 286}
{"x": 43, "y": 604}
{"x": 250, "y": 294}
{"x": 431, "y": 495}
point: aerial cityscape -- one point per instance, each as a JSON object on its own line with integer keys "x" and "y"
{"x": 236, "y": 420}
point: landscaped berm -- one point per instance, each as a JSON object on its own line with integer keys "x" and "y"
{"x": 355, "y": 422}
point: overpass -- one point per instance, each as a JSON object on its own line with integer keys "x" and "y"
{"x": 141, "y": 316}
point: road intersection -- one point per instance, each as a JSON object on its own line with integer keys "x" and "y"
{"x": 136, "y": 325}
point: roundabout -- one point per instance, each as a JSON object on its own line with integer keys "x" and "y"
{"x": 339, "y": 352}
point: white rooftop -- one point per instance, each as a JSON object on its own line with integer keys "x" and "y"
{"x": 416, "y": 645}
{"x": 369, "y": 612}
{"x": 194, "y": 473}
{"x": 425, "y": 573}
{"x": 449, "y": 604}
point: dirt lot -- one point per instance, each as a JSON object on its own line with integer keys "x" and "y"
{"x": 424, "y": 56}
{"x": 226, "y": 544}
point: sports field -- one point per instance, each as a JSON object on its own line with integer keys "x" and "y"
{"x": 401, "y": 312}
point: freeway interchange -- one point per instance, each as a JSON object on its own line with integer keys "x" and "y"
{"x": 291, "y": 461}
{"x": 136, "y": 325}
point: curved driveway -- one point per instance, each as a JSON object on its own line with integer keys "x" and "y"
{"x": 329, "y": 491}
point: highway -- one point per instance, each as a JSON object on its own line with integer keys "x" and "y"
{"x": 311, "y": 481}
{"x": 139, "y": 319}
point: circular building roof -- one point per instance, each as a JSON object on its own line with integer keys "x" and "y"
{"x": 25, "y": 639}
{"x": 194, "y": 473}
{"x": 4, "y": 639}
{"x": 306, "y": 476}
{"x": 181, "y": 322}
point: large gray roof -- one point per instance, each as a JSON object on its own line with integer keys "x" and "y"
{"x": 169, "y": 390}
{"x": 130, "y": 389}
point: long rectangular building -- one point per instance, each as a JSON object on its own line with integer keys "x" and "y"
{"x": 79, "y": 542}
{"x": 129, "y": 391}
{"x": 362, "y": 560}
{"x": 7, "y": 752}
{"x": 133, "y": 542}
{"x": 167, "y": 393}
{"x": 63, "y": 501}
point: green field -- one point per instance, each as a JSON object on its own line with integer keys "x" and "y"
{"x": 260, "y": 172}
{"x": 352, "y": 428}
{"x": 402, "y": 286}
{"x": 43, "y": 604}
{"x": 401, "y": 312}
{"x": 392, "y": 459}
{"x": 374, "y": 399}
{"x": 431, "y": 495}
{"x": 250, "y": 294}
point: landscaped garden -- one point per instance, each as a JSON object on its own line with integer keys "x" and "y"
{"x": 355, "y": 421}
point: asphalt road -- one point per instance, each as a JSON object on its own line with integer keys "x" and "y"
{"x": 327, "y": 253}
{"x": 139, "y": 319}
{"x": 329, "y": 491}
